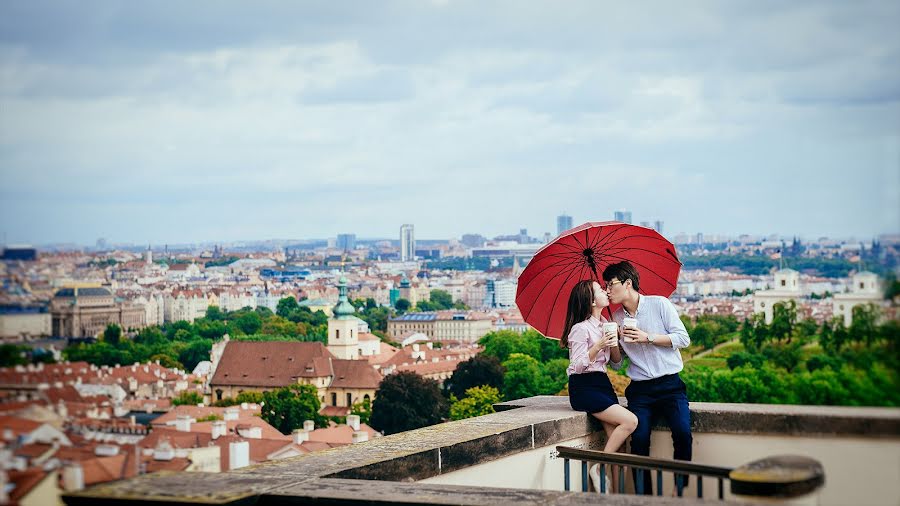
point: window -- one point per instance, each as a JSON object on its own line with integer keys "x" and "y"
{"x": 333, "y": 399}
{"x": 783, "y": 283}
{"x": 337, "y": 333}
{"x": 218, "y": 394}
{"x": 862, "y": 285}
{"x": 349, "y": 400}
{"x": 366, "y": 397}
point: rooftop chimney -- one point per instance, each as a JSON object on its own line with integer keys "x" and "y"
{"x": 353, "y": 421}
{"x": 251, "y": 433}
{"x": 309, "y": 425}
{"x": 300, "y": 436}
{"x": 219, "y": 429}
{"x": 238, "y": 455}
{"x": 183, "y": 423}
{"x": 231, "y": 414}
{"x": 360, "y": 436}
{"x": 73, "y": 477}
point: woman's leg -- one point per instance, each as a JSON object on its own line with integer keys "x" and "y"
{"x": 624, "y": 422}
{"x": 618, "y": 423}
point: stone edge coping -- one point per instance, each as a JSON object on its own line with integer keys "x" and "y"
{"x": 430, "y": 451}
{"x": 783, "y": 419}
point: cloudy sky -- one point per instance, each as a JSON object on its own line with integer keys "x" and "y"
{"x": 198, "y": 121}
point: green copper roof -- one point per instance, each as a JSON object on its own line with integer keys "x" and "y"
{"x": 343, "y": 309}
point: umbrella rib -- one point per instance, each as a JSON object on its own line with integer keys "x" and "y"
{"x": 609, "y": 237}
{"x": 564, "y": 254}
{"x": 562, "y": 264}
{"x": 619, "y": 250}
{"x": 554, "y": 306}
{"x": 622, "y": 239}
{"x": 569, "y": 246}
{"x": 651, "y": 271}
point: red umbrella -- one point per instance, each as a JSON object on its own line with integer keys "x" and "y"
{"x": 582, "y": 253}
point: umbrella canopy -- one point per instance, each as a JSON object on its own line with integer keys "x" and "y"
{"x": 583, "y": 253}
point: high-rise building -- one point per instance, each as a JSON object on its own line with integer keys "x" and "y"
{"x": 658, "y": 226}
{"x": 563, "y": 223}
{"x": 646, "y": 224}
{"x": 472, "y": 240}
{"x": 346, "y": 242}
{"x": 624, "y": 216}
{"x": 407, "y": 243}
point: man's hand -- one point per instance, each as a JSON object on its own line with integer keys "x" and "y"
{"x": 633, "y": 335}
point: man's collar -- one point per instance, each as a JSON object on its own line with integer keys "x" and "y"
{"x": 638, "y": 310}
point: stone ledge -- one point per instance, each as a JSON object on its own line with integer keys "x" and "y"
{"x": 375, "y": 469}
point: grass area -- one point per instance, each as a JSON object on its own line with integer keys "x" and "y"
{"x": 709, "y": 363}
{"x": 726, "y": 350}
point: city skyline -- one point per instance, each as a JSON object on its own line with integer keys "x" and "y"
{"x": 203, "y": 122}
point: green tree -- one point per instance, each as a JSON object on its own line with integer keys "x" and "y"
{"x": 742, "y": 358}
{"x": 523, "y": 378}
{"x": 833, "y": 336}
{"x": 197, "y": 351}
{"x": 279, "y": 326}
{"x": 702, "y": 335}
{"x": 249, "y": 397}
{"x": 112, "y": 334}
{"x": 425, "y": 306}
{"x": 784, "y": 319}
{"x": 503, "y": 343}
{"x": 553, "y": 376}
{"x": 213, "y": 313}
{"x": 754, "y": 332}
{"x": 688, "y": 324}
{"x": 402, "y": 305}
{"x": 406, "y": 401}
{"x": 864, "y": 327}
{"x": 363, "y": 409}
{"x": 150, "y": 336}
{"x": 441, "y": 299}
{"x": 249, "y": 323}
{"x": 377, "y": 318}
{"x": 549, "y": 348}
{"x": 477, "y": 371}
{"x": 478, "y": 401}
{"x": 188, "y": 397}
{"x": 12, "y": 354}
{"x": 173, "y": 328}
{"x": 209, "y": 329}
{"x": 164, "y": 359}
{"x": 286, "y": 306}
{"x": 287, "y": 408}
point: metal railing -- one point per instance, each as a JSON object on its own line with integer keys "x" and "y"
{"x": 641, "y": 465}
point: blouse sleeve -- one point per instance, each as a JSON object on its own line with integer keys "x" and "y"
{"x": 578, "y": 349}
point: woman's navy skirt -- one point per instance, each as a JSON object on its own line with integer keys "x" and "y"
{"x": 591, "y": 392}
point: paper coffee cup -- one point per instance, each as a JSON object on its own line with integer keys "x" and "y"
{"x": 629, "y": 323}
{"x": 614, "y": 328}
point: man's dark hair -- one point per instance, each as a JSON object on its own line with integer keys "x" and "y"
{"x": 623, "y": 271}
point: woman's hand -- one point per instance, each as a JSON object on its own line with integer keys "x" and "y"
{"x": 608, "y": 340}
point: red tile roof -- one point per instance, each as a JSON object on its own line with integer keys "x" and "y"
{"x": 339, "y": 434}
{"x": 152, "y": 465}
{"x": 104, "y": 469}
{"x": 271, "y": 363}
{"x": 354, "y": 374}
{"x": 24, "y": 481}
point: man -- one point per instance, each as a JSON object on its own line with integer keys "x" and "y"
{"x": 656, "y": 390}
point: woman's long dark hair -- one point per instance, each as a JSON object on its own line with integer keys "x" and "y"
{"x": 579, "y": 309}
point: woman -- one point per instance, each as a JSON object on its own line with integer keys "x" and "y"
{"x": 589, "y": 352}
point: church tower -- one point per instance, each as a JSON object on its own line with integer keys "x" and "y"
{"x": 343, "y": 327}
